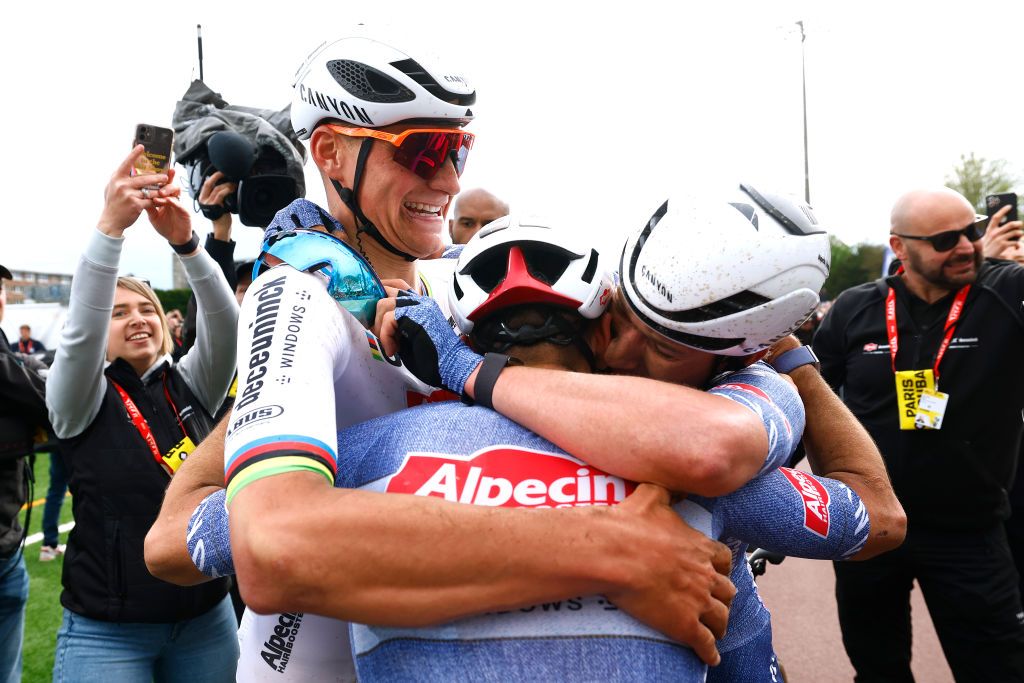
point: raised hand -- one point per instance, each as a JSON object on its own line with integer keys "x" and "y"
{"x": 1000, "y": 241}
{"x": 127, "y": 196}
{"x": 172, "y": 221}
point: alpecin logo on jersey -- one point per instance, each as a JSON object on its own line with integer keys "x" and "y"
{"x": 277, "y": 649}
{"x": 508, "y": 476}
{"x": 815, "y": 498}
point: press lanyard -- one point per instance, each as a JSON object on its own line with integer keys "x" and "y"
{"x": 955, "y": 313}
{"x": 135, "y": 415}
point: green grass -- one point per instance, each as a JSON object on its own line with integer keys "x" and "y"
{"x": 43, "y": 613}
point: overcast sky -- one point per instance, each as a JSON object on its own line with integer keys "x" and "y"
{"x": 589, "y": 113}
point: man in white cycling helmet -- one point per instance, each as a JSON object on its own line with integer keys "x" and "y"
{"x": 389, "y": 181}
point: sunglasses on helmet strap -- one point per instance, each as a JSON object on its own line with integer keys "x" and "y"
{"x": 350, "y": 280}
{"x": 421, "y": 150}
{"x": 945, "y": 241}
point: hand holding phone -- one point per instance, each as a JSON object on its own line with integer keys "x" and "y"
{"x": 158, "y": 142}
{"x": 995, "y": 202}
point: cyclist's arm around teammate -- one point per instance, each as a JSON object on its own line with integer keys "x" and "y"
{"x": 840, "y": 448}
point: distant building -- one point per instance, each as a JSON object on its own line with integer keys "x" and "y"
{"x": 28, "y": 286}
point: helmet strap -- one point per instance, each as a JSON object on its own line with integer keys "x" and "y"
{"x": 555, "y": 330}
{"x": 348, "y": 198}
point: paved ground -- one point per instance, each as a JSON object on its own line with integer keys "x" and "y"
{"x": 800, "y": 595}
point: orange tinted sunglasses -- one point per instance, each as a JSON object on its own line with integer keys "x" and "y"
{"x": 421, "y": 150}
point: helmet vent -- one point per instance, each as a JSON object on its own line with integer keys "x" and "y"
{"x": 737, "y": 303}
{"x": 412, "y": 69}
{"x": 588, "y": 274}
{"x": 807, "y": 212}
{"x": 545, "y": 262}
{"x": 748, "y": 211}
{"x": 458, "y": 290}
{"x": 367, "y": 83}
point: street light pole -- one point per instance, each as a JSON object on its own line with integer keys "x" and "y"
{"x": 803, "y": 83}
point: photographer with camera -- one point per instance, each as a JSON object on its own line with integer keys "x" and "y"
{"x": 22, "y": 412}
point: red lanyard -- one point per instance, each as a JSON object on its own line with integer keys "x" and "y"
{"x": 955, "y": 313}
{"x": 135, "y": 415}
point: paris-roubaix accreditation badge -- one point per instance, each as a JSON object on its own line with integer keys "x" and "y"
{"x": 921, "y": 405}
{"x": 931, "y": 408}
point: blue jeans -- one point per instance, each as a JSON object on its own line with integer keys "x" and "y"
{"x": 13, "y": 596}
{"x": 204, "y": 649}
{"x": 54, "y": 499}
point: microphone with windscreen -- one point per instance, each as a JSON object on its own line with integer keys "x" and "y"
{"x": 231, "y": 154}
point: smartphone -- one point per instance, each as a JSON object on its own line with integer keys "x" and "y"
{"x": 158, "y": 142}
{"x": 995, "y": 202}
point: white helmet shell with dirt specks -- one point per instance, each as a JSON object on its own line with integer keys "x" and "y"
{"x": 726, "y": 277}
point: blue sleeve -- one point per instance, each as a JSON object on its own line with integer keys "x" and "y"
{"x": 774, "y": 400}
{"x": 208, "y": 537}
{"x": 797, "y": 514}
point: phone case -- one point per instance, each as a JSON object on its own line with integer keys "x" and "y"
{"x": 994, "y": 202}
{"x": 158, "y": 142}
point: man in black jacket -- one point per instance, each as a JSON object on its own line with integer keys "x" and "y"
{"x": 22, "y": 410}
{"x": 929, "y": 361}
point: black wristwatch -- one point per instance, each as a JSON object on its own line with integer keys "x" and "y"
{"x": 795, "y": 358}
{"x": 492, "y": 366}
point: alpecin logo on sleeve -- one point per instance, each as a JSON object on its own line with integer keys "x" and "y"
{"x": 815, "y": 497}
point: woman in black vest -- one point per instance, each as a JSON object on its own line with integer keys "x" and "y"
{"x": 127, "y": 416}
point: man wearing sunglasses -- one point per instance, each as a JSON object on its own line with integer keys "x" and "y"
{"x": 929, "y": 360}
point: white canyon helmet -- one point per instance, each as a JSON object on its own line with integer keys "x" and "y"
{"x": 726, "y": 277}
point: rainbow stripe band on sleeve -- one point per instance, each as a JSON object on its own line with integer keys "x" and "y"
{"x": 277, "y": 455}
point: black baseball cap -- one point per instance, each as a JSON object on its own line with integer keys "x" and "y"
{"x": 5, "y": 274}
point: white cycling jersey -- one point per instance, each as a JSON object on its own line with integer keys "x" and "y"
{"x": 308, "y": 369}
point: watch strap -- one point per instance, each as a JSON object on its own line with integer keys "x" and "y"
{"x": 483, "y": 387}
{"x": 795, "y": 358}
{"x": 188, "y": 247}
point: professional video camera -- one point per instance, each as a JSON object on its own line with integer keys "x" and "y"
{"x": 254, "y": 147}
